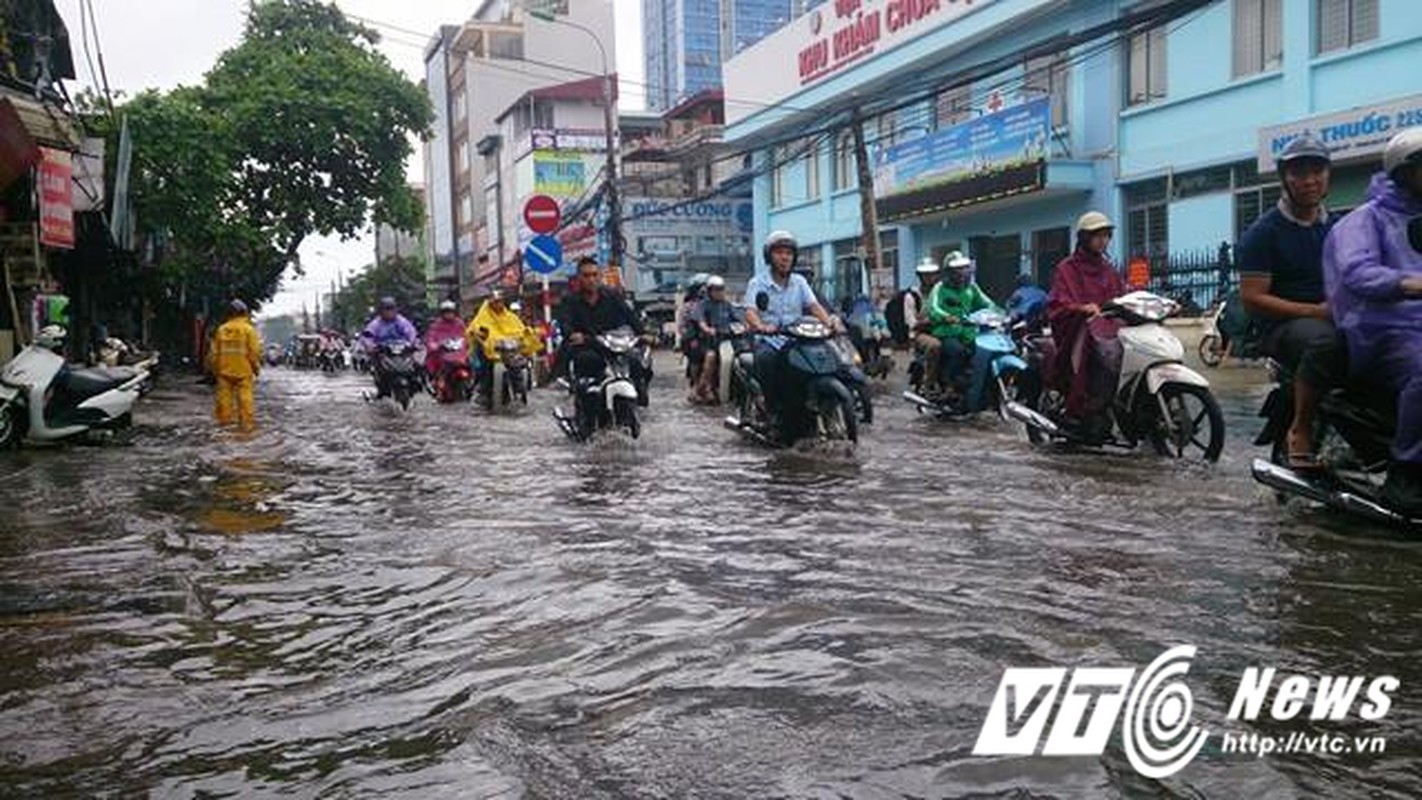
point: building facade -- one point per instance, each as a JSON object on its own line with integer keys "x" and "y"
{"x": 688, "y": 40}
{"x": 473, "y": 73}
{"x": 991, "y": 126}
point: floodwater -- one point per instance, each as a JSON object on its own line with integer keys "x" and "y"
{"x": 356, "y": 602}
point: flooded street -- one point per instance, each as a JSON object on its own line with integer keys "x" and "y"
{"x": 356, "y": 602}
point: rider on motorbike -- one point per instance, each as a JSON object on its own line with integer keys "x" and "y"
{"x": 788, "y": 297}
{"x": 1028, "y": 303}
{"x": 1281, "y": 284}
{"x": 388, "y": 326}
{"x": 496, "y": 320}
{"x": 1374, "y": 282}
{"x": 590, "y": 312}
{"x": 446, "y": 326}
{"x": 1088, "y": 355}
{"x": 713, "y": 323}
{"x": 916, "y": 321}
{"x": 949, "y": 304}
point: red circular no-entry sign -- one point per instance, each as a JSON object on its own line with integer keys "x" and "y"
{"x": 541, "y": 214}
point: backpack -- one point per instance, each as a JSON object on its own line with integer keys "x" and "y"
{"x": 894, "y": 315}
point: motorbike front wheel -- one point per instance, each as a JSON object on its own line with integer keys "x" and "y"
{"x": 1211, "y": 350}
{"x": 1193, "y": 425}
{"x": 839, "y": 422}
{"x": 402, "y": 395}
{"x": 624, "y": 411}
{"x": 10, "y": 427}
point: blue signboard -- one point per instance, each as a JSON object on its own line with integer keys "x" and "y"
{"x": 981, "y": 147}
{"x": 543, "y": 255}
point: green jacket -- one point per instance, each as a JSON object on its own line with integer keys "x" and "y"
{"x": 945, "y": 301}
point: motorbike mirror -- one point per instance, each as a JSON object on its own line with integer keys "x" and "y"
{"x": 762, "y": 301}
{"x": 1414, "y": 233}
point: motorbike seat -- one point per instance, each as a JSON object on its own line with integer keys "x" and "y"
{"x": 82, "y": 384}
{"x": 1364, "y": 402}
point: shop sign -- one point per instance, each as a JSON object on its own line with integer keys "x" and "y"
{"x": 980, "y": 152}
{"x": 557, "y": 175}
{"x": 589, "y": 141}
{"x": 1354, "y": 134}
{"x": 55, "y": 176}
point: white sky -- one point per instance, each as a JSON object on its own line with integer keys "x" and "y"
{"x": 166, "y": 43}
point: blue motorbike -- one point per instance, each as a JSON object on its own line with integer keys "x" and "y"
{"x": 997, "y": 354}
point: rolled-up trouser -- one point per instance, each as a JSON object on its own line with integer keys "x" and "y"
{"x": 1396, "y": 363}
{"x": 1312, "y": 349}
{"x": 932, "y": 348}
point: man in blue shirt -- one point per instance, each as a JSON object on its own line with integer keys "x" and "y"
{"x": 775, "y": 299}
{"x": 1281, "y": 284}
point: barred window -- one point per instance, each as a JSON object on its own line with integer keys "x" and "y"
{"x": 1258, "y": 36}
{"x": 1148, "y": 231}
{"x": 1346, "y": 23}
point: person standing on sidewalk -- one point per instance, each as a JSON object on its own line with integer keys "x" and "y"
{"x": 235, "y": 359}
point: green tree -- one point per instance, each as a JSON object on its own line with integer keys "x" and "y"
{"x": 400, "y": 278}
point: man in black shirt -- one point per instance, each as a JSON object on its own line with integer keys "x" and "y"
{"x": 589, "y": 312}
{"x": 1281, "y": 284}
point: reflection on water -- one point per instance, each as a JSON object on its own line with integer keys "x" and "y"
{"x": 354, "y": 601}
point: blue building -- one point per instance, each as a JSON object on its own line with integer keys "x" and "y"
{"x": 687, "y": 41}
{"x": 991, "y": 126}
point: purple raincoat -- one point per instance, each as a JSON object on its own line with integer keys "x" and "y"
{"x": 378, "y": 331}
{"x": 1364, "y": 261}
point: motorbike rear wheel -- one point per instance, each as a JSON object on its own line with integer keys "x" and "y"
{"x": 1193, "y": 411}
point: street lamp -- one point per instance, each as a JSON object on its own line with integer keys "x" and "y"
{"x": 614, "y": 201}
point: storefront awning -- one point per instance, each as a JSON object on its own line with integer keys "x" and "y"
{"x": 45, "y": 124}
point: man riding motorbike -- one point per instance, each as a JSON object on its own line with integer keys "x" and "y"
{"x": 1088, "y": 355}
{"x": 446, "y": 326}
{"x": 713, "y": 324}
{"x": 955, "y": 297}
{"x": 1374, "y": 283}
{"x": 592, "y": 311}
{"x": 916, "y": 321}
{"x": 496, "y": 320}
{"x": 1281, "y": 284}
{"x": 1028, "y": 303}
{"x": 386, "y": 327}
{"x": 788, "y": 297}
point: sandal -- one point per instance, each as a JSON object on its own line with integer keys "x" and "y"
{"x": 1301, "y": 460}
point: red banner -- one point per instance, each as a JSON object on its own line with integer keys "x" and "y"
{"x": 56, "y": 196}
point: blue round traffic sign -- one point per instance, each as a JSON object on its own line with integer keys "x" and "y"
{"x": 543, "y": 255}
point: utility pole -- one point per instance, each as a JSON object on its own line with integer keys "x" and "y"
{"x": 454, "y": 204}
{"x": 868, "y": 212}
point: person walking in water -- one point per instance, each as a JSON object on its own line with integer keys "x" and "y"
{"x": 235, "y": 359}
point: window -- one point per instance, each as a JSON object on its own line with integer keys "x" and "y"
{"x": 1345, "y": 23}
{"x": 460, "y": 107}
{"x": 887, "y": 126}
{"x": 1258, "y": 36}
{"x": 1148, "y": 231}
{"x": 779, "y": 166}
{"x": 812, "y": 169}
{"x": 1049, "y": 76}
{"x": 953, "y": 106}
{"x": 846, "y": 174}
{"x": 1146, "y": 78}
{"x": 506, "y": 46}
{"x": 1251, "y": 204}
{"x": 466, "y": 210}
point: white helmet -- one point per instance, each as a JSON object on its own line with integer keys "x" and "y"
{"x": 715, "y": 282}
{"x": 927, "y": 266}
{"x": 1093, "y": 221}
{"x": 51, "y": 337}
{"x": 448, "y": 305}
{"x": 956, "y": 260}
{"x": 780, "y": 239}
{"x": 1404, "y": 149}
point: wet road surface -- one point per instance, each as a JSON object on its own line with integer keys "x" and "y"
{"x": 356, "y": 602}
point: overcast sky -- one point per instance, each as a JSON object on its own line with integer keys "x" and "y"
{"x": 166, "y": 43}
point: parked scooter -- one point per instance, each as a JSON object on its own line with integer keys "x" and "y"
{"x": 397, "y": 374}
{"x": 1008, "y": 368}
{"x": 823, "y": 399}
{"x": 1157, "y": 398}
{"x": 452, "y": 380}
{"x": 609, "y": 400}
{"x": 44, "y": 399}
{"x": 512, "y": 376}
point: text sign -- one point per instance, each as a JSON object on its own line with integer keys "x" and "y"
{"x": 543, "y": 255}
{"x": 1356, "y": 133}
{"x": 56, "y": 198}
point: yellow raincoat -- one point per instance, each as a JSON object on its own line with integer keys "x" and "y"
{"x": 235, "y": 360}
{"x": 499, "y": 325}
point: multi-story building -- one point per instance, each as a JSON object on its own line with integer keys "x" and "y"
{"x": 989, "y": 127}
{"x": 688, "y": 40}
{"x": 473, "y": 72}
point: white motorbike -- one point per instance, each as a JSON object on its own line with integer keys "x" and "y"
{"x": 512, "y": 375}
{"x": 608, "y": 400}
{"x": 1157, "y": 398}
{"x": 43, "y": 399}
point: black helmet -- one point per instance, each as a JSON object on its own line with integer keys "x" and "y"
{"x": 1305, "y": 148}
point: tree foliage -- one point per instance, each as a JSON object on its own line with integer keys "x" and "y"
{"x": 400, "y": 278}
{"x": 303, "y": 128}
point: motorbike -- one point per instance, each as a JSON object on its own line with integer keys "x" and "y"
{"x": 1354, "y": 432}
{"x": 826, "y": 397}
{"x": 736, "y": 343}
{"x": 1009, "y": 368}
{"x": 1157, "y": 398}
{"x": 397, "y": 374}
{"x": 512, "y": 376}
{"x": 452, "y": 378}
{"x": 609, "y": 400}
{"x": 43, "y": 399}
